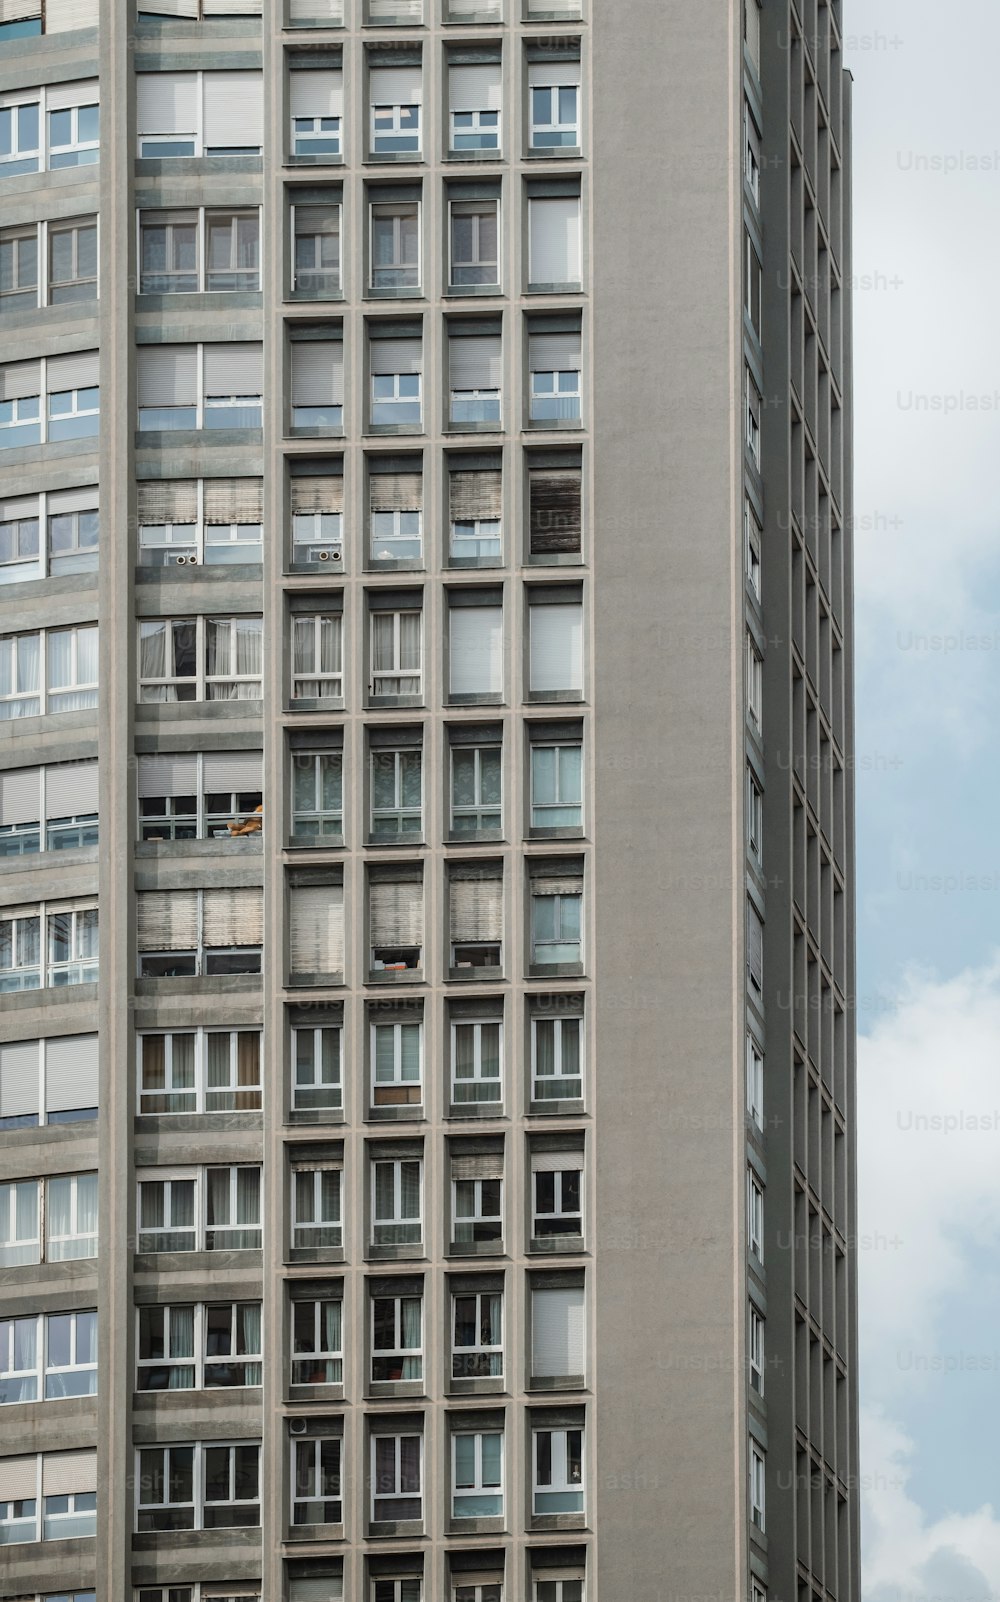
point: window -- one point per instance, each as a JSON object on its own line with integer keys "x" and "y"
{"x": 557, "y": 1059}
{"x": 556, "y": 786}
{"x": 754, "y": 286}
{"x": 474, "y": 102}
{"x": 554, "y": 88}
{"x": 235, "y": 1591}
{"x": 475, "y": 508}
{"x": 317, "y": 379}
{"x": 475, "y": 371}
{"x": 210, "y": 1209}
{"x": 555, "y": 519}
{"x": 554, "y": 1590}
{"x": 184, "y": 934}
{"x": 475, "y": 647}
{"x": 477, "y": 1207}
{"x": 68, "y": 113}
{"x": 71, "y": 408}
{"x": 73, "y": 130}
{"x": 755, "y": 1349}
{"x": 200, "y": 795}
{"x": 396, "y": 1201}
{"x": 396, "y": 653}
{"x": 489, "y": 1590}
{"x": 185, "y": 387}
{"x": 197, "y": 250}
{"x": 48, "y": 1497}
{"x": 315, "y": 1481}
{"x": 474, "y": 236}
{"x": 317, "y": 796}
{"x": 316, "y": 104}
{"x": 396, "y": 369}
{"x": 755, "y": 684}
{"x": 753, "y": 536}
{"x": 199, "y": 114}
{"x": 755, "y": 1216}
{"x": 198, "y": 1346}
{"x": 755, "y": 952}
{"x": 48, "y": 809}
{"x": 317, "y": 657}
{"x": 317, "y": 500}
{"x": 215, "y": 520}
{"x": 556, "y": 1182}
{"x": 556, "y": 922}
{"x": 555, "y": 240}
{"x": 751, "y": 153}
{"x": 476, "y": 790}
{"x": 755, "y": 816}
{"x": 317, "y": 1341}
{"x": 395, "y": 96}
{"x": 403, "y": 1590}
{"x": 394, "y": 249}
{"x": 475, "y": 897}
{"x": 477, "y": 1474}
{"x": 48, "y": 1357}
{"x": 204, "y": 1486}
{"x": 558, "y": 1332}
{"x": 756, "y": 1455}
{"x": 316, "y": 259}
{"x": 68, "y": 252}
{"x": 20, "y": 1238}
{"x": 557, "y": 1481}
{"x": 751, "y": 32}
{"x": 476, "y": 1061}
{"x": 754, "y": 406}
{"x": 397, "y": 1337}
{"x": 477, "y": 1334}
{"x": 200, "y": 659}
{"x": 19, "y": 276}
{"x": 397, "y": 1058}
{"x": 554, "y": 361}
{"x": 70, "y": 953}
{"x": 48, "y": 535}
{"x": 199, "y": 1070}
{"x": 316, "y": 1068}
{"x": 70, "y": 1217}
{"x": 397, "y": 1464}
{"x": 380, "y": 13}
{"x": 395, "y": 506}
{"x": 20, "y": 144}
{"x": 51, "y": 1081}
{"x": 317, "y": 1217}
{"x": 396, "y": 921}
{"x": 72, "y": 250}
{"x": 755, "y": 1082}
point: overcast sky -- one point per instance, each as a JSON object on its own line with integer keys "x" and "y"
{"x": 927, "y": 342}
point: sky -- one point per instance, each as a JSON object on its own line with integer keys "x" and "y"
{"x": 927, "y": 554}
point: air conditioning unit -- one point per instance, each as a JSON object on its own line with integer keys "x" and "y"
{"x": 333, "y": 555}
{"x": 298, "y": 1426}
{"x": 182, "y": 560}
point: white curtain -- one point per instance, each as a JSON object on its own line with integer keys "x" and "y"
{"x": 410, "y": 1308}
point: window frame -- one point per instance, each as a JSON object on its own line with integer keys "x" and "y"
{"x": 561, "y": 1482}
{"x": 199, "y": 1501}
{"x": 478, "y": 808}
{"x": 557, "y": 746}
{"x": 398, "y": 269}
{"x": 413, "y": 1355}
{"x": 405, "y": 822}
{"x": 200, "y": 1361}
{"x": 197, "y": 546}
{"x": 478, "y": 1226}
{"x": 396, "y": 1228}
{"x": 325, "y": 1220}
{"x": 559, "y": 1214}
{"x": 382, "y": 1431}
{"x": 42, "y": 234}
{"x": 201, "y": 681}
{"x": 335, "y": 1102}
{"x": 400, "y": 1090}
{"x": 199, "y": 1229}
{"x": 477, "y": 1078}
{"x": 328, "y": 682}
{"x": 539, "y": 1081}
{"x": 203, "y": 217}
{"x": 333, "y": 836}
{"x": 298, "y": 1446}
{"x": 755, "y": 1081}
{"x": 555, "y": 123}
{"x": 755, "y": 1216}
{"x": 395, "y": 139}
{"x": 395, "y": 671}
{"x": 50, "y": 697}
{"x": 479, "y": 1488}
{"x": 43, "y": 1367}
{"x": 200, "y": 1091}
{"x": 476, "y": 209}
{"x": 53, "y": 973}
{"x": 320, "y": 290}
{"x": 331, "y": 1357}
{"x": 482, "y": 1355}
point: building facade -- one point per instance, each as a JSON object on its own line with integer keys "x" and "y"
{"x": 426, "y": 832}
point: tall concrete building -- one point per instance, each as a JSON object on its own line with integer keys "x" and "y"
{"x": 426, "y": 852}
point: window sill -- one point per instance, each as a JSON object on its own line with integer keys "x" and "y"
{"x": 301, "y": 1116}
{"x": 200, "y": 300}
{"x": 556, "y": 1382}
{"x": 402, "y": 1112}
{"x": 200, "y": 573}
{"x": 453, "y": 429}
{"x": 199, "y": 1264}
{"x": 394, "y": 564}
{"x": 476, "y": 837}
{"x": 553, "y": 152}
{"x": 315, "y": 1254}
{"x": 554, "y": 425}
{"x": 573, "y": 288}
{"x": 392, "y": 430}
{"x": 555, "y": 834}
{"x": 465, "y": 564}
{"x": 310, "y": 297}
{"x": 315, "y": 1532}
{"x": 312, "y": 162}
{"x": 406, "y": 976}
{"x": 317, "y": 703}
{"x": 555, "y": 1108}
{"x": 207, "y": 1541}
{"x": 494, "y": 698}
{"x": 395, "y": 1527}
{"x": 314, "y": 1393}
{"x": 464, "y": 291}
{"x": 387, "y": 1390}
{"x": 196, "y": 1124}
{"x": 481, "y": 1526}
{"x": 477, "y": 158}
{"x": 476, "y": 1109}
{"x": 194, "y": 166}
{"x": 390, "y": 702}
{"x": 556, "y": 1245}
{"x": 554, "y": 970}
{"x": 314, "y": 433}
{"x": 189, "y": 439}
{"x": 395, "y": 158}
{"x": 477, "y": 1387}
{"x": 476, "y": 1248}
{"x": 246, "y": 845}
{"x": 411, "y": 292}
{"x": 314, "y": 842}
{"x": 537, "y": 697}
{"x": 314, "y": 981}
{"x": 484, "y": 975}
{"x": 377, "y": 841}
{"x": 385, "y": 1254}
{"x": 554, "y": 559}
{"x": 330, "y": 569}
{"x": 557, "y": 1521}
{"x": 198, "y": 989}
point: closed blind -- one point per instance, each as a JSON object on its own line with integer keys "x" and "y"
{"x": 554, "y": 353}
{"x": 168, "y": 375}
{"x": 483, "y": 1165}
{"x": 167, "y": 102}
{"x": 397, "y": 913}
{"x": 167, "y": 500}
{"x": 555, "y": 509}
{"x": 306, "y": 1589}
{"x": 318, "y": 372}
{"x": 475, "y": 494}
{"x": 554, "y": 240}
{"x": 168, "y": 775}
{"x": 475, "y": 362}
{"x": 167, "y": 920}
{"x": 316, "y": 929}
{"x": 79, "y": 371}
{"x": 396, "y": 492}
{"x": 395, "y": 86}
{"x": 753, "y": 31}
{"x": 60, "y": 96}
{"x": 234, "y": 500}
{"x": 61, "y": 16}
{"x": 234, "y": 369}
{"x": 234, "y": 110}
{"x": 73, "y": 500}
{"x": 315, "y": 10}
{"x": 556, "y": 648}
{"x": 318, "y": 494}
{"x": 20, "y": 796}
{"x": 556, "y": 1162}
{"x": 19, "y": 10}
{"x": 19, "y": 1079}
{"x": 396, "y": 11}
{"x": 557, "y": 1332}
{"x": 70, "y": 1072}
{"x": 476, "y": 909}
{"x": 475, "y": 88}
{"x": 232, "y": 770}
{"x": 71, "y": 789}
{"x": 553, "y": 74}
{"x": 231, "y": 8}
{"x": 316, "y": 94}
{"x": 233, "y": 917}
{"x": 18, "y": 1478}
{"x": 63, "y": 1473}
{"x": 396, "y": 356}
{"x": 172, "y": 8}
{"x": 19, "y": 379}
{"x": 475, "y": 650}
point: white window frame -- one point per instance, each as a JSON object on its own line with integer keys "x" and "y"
{"x": 398, "y": 1082}
{"x": 205, "y": 960}
{"x": 398, "y": 814}
{"x": 203, "y": 218}
{"x": 560, "y": 1483}
{"x": 561, "y": 1582}
{"x": 384, "y": 1433}
{"x": 752, "y": 539}
{"x": 477, "y": 1079}
{"x": 306, "y": 134}
{"x": 20, "y": 921}
{"x": 74, "y": 1235}
{"x": 14, "y": 105}
{"x": 208, "y": 823}
{"x": 755, "y": 1216}
{"x": 751, "y": 153}
{"x": 469, "y": 1212}
{"x": 317, "y": 1083}
{"x": 477, "y": 808}
{"x": 88, "y": 150}
{"x": 554, "y": 123}
{"x": 484, "y": 401}
{"x": 558, "y": 1215}
{"x": 396, "y": 399}
{"x": 412, "y": 1354}
{"x": 755, "y": 1081}
{"x": 150, "y": 142}
{"x": 479, "y": 1486}
{"x": 757, "y": 1498}
{"x": 538, "y": 948}
{"x": 199, "y": 1362}
{"x": 318, "y": 1353}
{"x": 309, "y": 547}
{"x": 333, "y": 835}
{"x": 199, "y": 1229}
{"x": 755, "y": 684}
{"x": 202, "y": 404}
{"x": 755, "y": 1349}
{"x": 395, "y": 210}
{"x": 43, "y": 1366}
{"x": 76, "y": 969}
{"x": 755, "y": 817}
{"x": 461, "y": 1355}
{"x": 475, "y": 209}
{"x": 14, "y": 414}
{"x": 302, "y": 1499}
{"x": 194, "y": 542}
{"x": 16, "y": 1248}
{"x": 560, "y": 804}
{"x": 754, "y": 407}
{"x": 393, "y": 129}
{"x": 489, "y": 133}
{"x": 202, "y": 681}
{"x": 323, "y": 1225}
{"x": 198, "y": 1478}
{"x": 548, "y": 384}
{"x": 42, "y": 234}
{"x": 48, "y": 696}
{"x": 539, "y": 1082}
{"x": 396, "y": 672}
{"x": 201, "y": 1093}
{"x": 328, "y": 682}
{"x": 318, "y": 267}
{"x": 390, "y": 532}
{"x": 390, "y": 1228}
